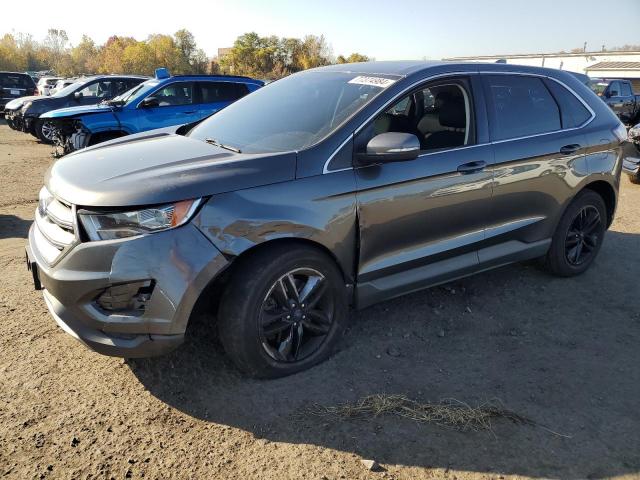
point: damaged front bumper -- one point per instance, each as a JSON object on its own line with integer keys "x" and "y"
{"x": 129, "y": 297}
{"x": 70, "y": 135}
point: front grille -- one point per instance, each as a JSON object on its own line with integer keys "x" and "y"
{"x": 55, "y": 227}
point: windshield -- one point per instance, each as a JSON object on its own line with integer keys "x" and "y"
{"x": 293, "y": 113}
{"x": 599, "y": 87}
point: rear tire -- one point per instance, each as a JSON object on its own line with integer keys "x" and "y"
{"x": 579, "y": 235}
{"x": 44, "y": 131}
{"x": 283, "y": 311}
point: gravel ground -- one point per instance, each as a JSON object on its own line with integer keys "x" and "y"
{"x": 562, "y": 352}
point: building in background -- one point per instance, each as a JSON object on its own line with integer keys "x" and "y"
{"x": 614, "y": 64}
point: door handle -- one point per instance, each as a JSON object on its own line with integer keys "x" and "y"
{"x": 570, "y": 149}
{"x": 188, "y": 113}
{"x": 472, "y": 167}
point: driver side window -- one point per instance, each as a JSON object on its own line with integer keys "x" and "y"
{"x": 439, "y": 115}
{"x": 101, "y": 89}
{"x": 174, "y": 94}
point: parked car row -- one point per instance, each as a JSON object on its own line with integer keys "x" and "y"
{"x": 163, "y": 101}
{"x": 332, "y": 188}
{"x": 25, "y": 113}
{"x": 99, "y": 108}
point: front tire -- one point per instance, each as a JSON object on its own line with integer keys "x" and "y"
{"x": 44, "y": 130}
{"x": 579, "y": 235}
{"x": 283, "y": 311}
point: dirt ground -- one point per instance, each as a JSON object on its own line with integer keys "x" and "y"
{"x": 562, "y": 352}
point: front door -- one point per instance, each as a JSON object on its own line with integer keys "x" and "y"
{"x": 173, "y": 104}
{"x": 421, "y": 220}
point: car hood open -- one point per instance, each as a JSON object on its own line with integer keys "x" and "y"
{"x": 74, "y": 111}
{"x": 158, "y": 167}
{"x": 17, "y": 103}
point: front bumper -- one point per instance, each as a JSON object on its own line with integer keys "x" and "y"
{"x": 16, "y": 120}
{"x": 179, "y": 263}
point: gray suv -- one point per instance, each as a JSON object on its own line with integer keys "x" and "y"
{"x": 333, "y": 188}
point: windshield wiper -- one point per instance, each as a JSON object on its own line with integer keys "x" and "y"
{"x": 213, "y": 141}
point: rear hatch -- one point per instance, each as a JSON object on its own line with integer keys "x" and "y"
{"x": 15, "y": 85}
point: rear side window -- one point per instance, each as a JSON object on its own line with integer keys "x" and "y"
{"x": 614, "y": 89}
{"x": 626, "y": 89}
{"x": 573, "y": 112}
{"x": 520, "y": 106}
{"x": 212, "y": 92}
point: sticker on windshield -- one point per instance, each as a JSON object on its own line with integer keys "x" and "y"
{"x": 372, "y": 81}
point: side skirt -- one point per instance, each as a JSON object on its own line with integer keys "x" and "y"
{"x": 437, "y": 273}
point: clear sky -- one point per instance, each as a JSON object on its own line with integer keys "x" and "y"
{"x": 384, "y": 29}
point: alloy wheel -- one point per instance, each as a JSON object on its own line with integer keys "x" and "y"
{"x": 48, "y": 130}
{"x": 583, "y": 236}
{"x": 296, "y": 315}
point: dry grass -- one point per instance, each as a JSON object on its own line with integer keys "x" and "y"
{"x": 448, "y": 413}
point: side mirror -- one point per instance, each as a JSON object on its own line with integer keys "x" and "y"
{"x": 610, "y": 94}
{"x": 78, "y": 95}
{"x": 149, "y": 102}
{"x": 390, "y": 147}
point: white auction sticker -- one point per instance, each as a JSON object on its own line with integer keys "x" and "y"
{"x": 372, "y": 81}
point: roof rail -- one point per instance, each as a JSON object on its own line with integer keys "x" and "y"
{"x": 216, "y": 75}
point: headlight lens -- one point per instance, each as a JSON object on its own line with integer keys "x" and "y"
{"x": 44, "y": 199}
{"x": 109, "y": 226}
{"x": 634, "y": 133}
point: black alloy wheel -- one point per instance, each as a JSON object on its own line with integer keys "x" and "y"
{"x": 296, "y": 315}
{"x": 583, "y": 236}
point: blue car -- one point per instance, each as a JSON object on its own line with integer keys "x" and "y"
{"x": 163, "y": 101}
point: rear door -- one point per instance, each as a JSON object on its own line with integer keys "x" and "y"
{"x": 175, "y": 104}
{"x": 217, "y": 95}
{"x": 539, "y": 157}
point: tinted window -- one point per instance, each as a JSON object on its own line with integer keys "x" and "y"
{"x": 15, "y": 81}
{"x": 626, "y": 89}
{"x": 212, "y": 92}
{"x": 573, "y": 112}
{"x": 174, "y": 94}
{"x": 520, "y": 106}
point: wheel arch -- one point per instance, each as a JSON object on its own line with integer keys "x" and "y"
{"x": 209, "y": 297}
{"x": 608, "y": 194}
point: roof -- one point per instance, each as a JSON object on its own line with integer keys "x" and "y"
{"x": 615, "y": 66}
{"x": 398, "y": 67}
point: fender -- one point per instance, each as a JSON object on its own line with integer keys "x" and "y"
{"x": 321, "y": 209}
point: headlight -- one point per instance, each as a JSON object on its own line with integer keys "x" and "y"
{"x": 44, "y": 199}
{"x": 26, "y": 106}
{"x": 634, "y": 133}
{"x": 108, "y": 226}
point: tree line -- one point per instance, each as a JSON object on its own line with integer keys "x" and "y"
{"x": 274, "y": 57}
{"x": 268, "y": 57}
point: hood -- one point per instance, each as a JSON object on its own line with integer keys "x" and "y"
{"x": 18, "y": 102}
{"x": 74, "y": 111}
{"x": 158, "y": 167}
